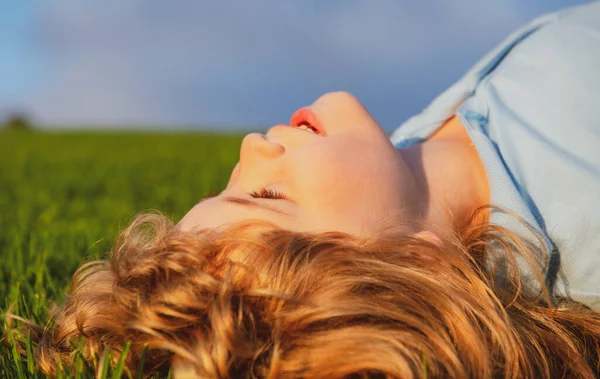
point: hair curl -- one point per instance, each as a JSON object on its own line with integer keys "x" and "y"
{"x": 253, "y": 300}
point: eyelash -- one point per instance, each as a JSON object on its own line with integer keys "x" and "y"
{"x": 265, "y": 193}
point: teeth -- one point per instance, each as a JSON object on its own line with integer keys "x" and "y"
{"x": 307, "y": 128}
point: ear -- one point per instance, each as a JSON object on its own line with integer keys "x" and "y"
{"x": 429, "y": 237}
{"x": 433, "y": 238}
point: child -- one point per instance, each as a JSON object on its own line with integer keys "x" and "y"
{"x": 334, "y": 252}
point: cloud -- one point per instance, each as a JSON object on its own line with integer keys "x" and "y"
{"x": 149, "y": 62}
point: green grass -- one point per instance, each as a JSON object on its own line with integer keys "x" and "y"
{"x": 65, "y": 196}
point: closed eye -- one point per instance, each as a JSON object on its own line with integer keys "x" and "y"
{"x": 265, "y": 193}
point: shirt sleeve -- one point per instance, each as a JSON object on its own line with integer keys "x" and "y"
{"x": 532, "y": 109}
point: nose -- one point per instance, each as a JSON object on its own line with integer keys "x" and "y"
{"x": 256, "y": 147}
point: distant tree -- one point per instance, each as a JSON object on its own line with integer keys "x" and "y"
{"x": 18, "y": 122}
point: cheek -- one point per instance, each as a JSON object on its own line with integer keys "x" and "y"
{"x": 332, "y": 177}
{"x": 344, "y": 179}
{"x": 321, "y": 169}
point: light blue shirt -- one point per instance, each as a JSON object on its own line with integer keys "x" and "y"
{"x": 532, "y": 109}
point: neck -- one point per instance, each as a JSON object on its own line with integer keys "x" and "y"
{"x": 451, "y": 178}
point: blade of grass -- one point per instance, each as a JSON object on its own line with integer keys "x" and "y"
{"x": 142, "y": 361}
{"x": 15, "y": 352}
{"x": 121, "y": 362}
{"x": 59, "y": 370}
{"x": 30, "y": 363}
{"x": 106, "y": 357}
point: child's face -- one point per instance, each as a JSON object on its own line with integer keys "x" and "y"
{"x": 350, "y": 179}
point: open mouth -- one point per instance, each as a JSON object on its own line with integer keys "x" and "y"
{"x": 308, "y": 128}
{"x": 305, "y": 119}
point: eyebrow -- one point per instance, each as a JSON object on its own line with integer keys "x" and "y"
{"x": 247, "y": 202}
{"x": 252, "y": 203}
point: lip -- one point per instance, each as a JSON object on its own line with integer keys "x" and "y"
{"x": 307, "y": 116}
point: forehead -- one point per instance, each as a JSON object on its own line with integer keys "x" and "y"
{"x": 217, "y": 212}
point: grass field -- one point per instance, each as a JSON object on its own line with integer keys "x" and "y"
{"x": 65, "y": 196}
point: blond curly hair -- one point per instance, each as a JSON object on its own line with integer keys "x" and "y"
{"x": 252, "y": 300}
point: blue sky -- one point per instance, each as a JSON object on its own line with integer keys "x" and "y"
{"x": 238, "y": 64}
